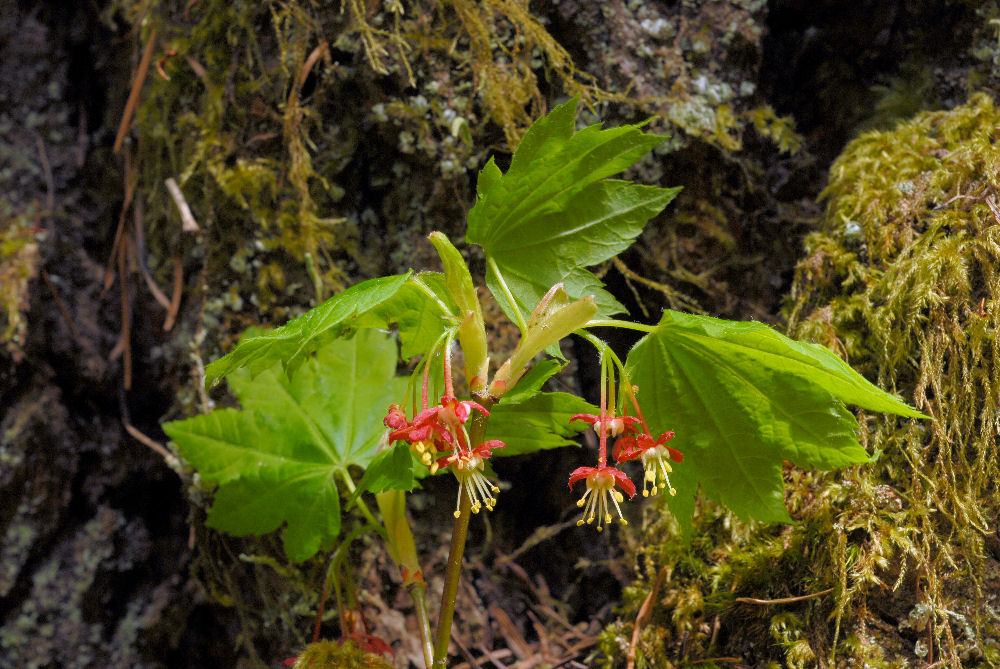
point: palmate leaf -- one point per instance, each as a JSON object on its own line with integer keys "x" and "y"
{"x": 742, "y": 398}
{"x": 536, "y": 422}
{"x": 418, "y": 305}
{"x": 277, "y": 460}
{"x": 292, "y": 343}
{"x": 553, "y": 213}
{"x": 421, "y": 311}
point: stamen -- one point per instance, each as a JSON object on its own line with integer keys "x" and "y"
{"x": 651, "y": 460}
{"x": 596, "y": 504}
{"x": 478, "y": 489}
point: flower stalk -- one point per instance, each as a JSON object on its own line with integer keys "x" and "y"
{"x": 453, "y": 568}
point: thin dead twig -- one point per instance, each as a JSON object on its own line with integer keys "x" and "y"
{"x": 492, "y": 655}
{"x": 126, "y": 337}
{"x": 645, "y": 611}
{"x": 538, "y": 536}
{"x": 162, "y": 450}
{"x": 783, "y": 600}
{"x": 188, "y": 223}
{"x": 511, "y": 634}
{"x": 135, "y": 248}
{"x": 133, "y": 97}
{"x": 175, "y": 298}
{"x": 321, "y": 51}
{"x": 467, "y": 653}
{"x": 728, "y": 660}
{"x": 131, "y": 183}
{"x": 197, "y": 67}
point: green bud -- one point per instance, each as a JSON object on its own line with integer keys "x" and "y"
{"x": 554, "y": 318}
{"x": 472, "y": 331}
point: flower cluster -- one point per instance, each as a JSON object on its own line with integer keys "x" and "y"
{"x": 634, "y": 442}
{"x": 439, "y": 438}
{"x": 441, "y": 430}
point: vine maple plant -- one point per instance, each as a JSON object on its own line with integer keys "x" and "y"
{"x": 698, "y": 401}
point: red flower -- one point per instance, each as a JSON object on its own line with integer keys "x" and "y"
{"x": 615, "y": 425}
{"x": 439, "y": 425}
{"x": 454, "y": 412}
{"x": 396, "y": 418}
{"x": 601, "y": 482}
{"x": 654, "y": 456}
{"x": 468, "y": 469}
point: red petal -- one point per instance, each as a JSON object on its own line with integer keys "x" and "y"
{"x": 585, "y": 417}
{"x": 631, "y": 424}
{"x": 426, "y": 416}
{"x": 477, "y": 406}
{"x": 399, "y": 435}
{"x": 623, "y": 481}
{"x": 626, "y": 448}
{"x": 483, "y": 449}
{"x": 396, "y": 418}
{"x": 664, "y": 438}
{"x": 443, "y": 433}
{"x": 580, "y": 473}
{"x": 419, "y": 433}
{"x": 675, "y": 455}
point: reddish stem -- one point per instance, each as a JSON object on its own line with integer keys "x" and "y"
{"x": 449, "y": 387}
{"x": 638, "y": 411}
{"x": 320, "y": 609}
{"x": 427, "y": 373}
{"x": 602, "y": 453}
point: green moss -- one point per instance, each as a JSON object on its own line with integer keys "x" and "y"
{"x": 329, "y": 654}
{"x": 901, "y": 280}
{"x": 18, "y": 264}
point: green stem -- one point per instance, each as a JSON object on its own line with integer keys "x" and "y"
{"x": 613, "y": 323}
{"x": 518, "y": 316}
{"x": 403, "y": 551}
{"x": 418, "y": 592}
{"x": 453, "y": 569}
{"x": 365, "y": 511}
{"x": 607, "y": 353}
{"x": 452, "y": 576}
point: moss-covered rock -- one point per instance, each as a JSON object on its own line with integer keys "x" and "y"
{"x": 894, "y": 562}
{"x": 902, "y": 281}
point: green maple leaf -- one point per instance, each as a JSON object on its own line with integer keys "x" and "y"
{"x": 554, "y": 212}
{"x": 536, "y": 421}
{"x": 277, "y": 461}
{"x": 292, "y": 343}
{"x": 422, "y": 310}
{"x": 742, "y": 398}
{"x": 392, "y": 469}
{"x": 418, "y": 305}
